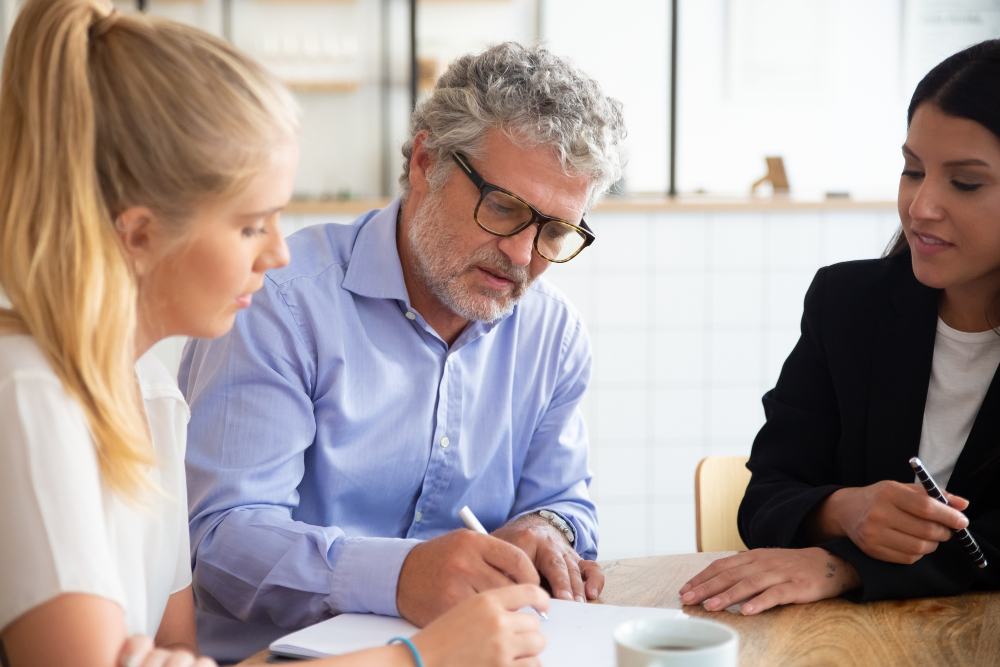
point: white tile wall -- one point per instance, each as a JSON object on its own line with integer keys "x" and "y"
{"x": 691, "y": 317}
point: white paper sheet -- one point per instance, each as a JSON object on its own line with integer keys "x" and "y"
{"x": 577, "y": 634}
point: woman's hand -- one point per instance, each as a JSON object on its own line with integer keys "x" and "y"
{"x": 770, "y": 577}
{"x": 138, "y": 651}
{"x": 894, "y": 522}
{"x": 487, "y": 631}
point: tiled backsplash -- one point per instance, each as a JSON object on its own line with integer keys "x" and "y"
{"x": 691, "y": 316}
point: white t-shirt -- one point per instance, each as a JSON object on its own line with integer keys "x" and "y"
{"x": 61, "y": 528}
{"x": 961, "y": 373}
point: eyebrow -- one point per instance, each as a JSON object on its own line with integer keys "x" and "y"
{"x": 971, "y": 162}
{"x": 263, "y": 214}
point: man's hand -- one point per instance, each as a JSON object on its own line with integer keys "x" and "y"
{"x": 894, "y": 522}
{"x": 442, "y": 572}
{"x": 570, "y": 577}
{"x": 770, "y": 577}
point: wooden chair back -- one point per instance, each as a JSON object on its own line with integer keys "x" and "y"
{"x": 719, "y": 485}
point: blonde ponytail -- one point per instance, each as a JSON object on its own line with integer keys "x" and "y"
{"x": 100, "y": 112}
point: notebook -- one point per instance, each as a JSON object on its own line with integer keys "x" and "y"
{"x": 577, "y": 633}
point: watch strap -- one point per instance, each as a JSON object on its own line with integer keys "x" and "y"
{"x": 560, "y": 523}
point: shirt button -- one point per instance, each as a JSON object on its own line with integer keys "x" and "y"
{"x": 445, "y": 441}
{"x": 410, "y": 315}
{"x": 418, "y": 517}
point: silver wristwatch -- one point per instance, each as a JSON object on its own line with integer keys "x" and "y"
{"x": 560, "y": 523}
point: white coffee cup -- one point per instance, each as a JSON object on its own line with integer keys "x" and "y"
{"x": 676, "y": 642}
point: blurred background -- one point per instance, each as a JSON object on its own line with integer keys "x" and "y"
{"x": 693, "y": 291}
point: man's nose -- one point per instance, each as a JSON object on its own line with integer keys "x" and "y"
{"x": 519, "y": 246}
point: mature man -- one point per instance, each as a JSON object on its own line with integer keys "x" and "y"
{"x": 406, "y": 365}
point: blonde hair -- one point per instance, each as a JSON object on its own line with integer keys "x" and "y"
{"x": 100, "y": 112}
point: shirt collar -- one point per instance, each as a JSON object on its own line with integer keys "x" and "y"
{"x": 374, "y": 270}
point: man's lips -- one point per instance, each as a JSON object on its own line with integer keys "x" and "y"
{"x": 496, "y": 277}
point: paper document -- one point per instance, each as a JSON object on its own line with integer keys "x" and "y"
{"x": 577, "y": 634}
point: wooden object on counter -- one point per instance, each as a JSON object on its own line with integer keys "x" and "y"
{"x": 962, "y": 630}
{"x": 775, "y": 176}
{"x": 719, "y": 485}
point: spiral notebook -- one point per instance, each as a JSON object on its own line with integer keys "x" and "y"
{"x": 577, "y": 634}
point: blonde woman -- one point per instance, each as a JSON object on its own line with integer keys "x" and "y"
{"x": 143, "y": 168}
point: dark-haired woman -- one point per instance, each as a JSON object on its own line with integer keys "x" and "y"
{"x": 897, "y": 358}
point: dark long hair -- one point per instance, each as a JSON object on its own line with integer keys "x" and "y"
{"x": 965, "y": 85}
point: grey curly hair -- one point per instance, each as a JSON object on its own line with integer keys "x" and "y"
{"x": 535, "y": 99}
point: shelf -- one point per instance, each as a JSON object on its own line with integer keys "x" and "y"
{"x": 629, "y": 204}
{"x": 323, "y": 86}
{"x": 709, "y": 204}
{"x": 333, "y": 207}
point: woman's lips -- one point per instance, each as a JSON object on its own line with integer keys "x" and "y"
{"x": 928, "y": 244}
{"x": 244, "y": 301}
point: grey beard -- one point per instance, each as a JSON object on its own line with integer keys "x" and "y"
{"x": 441, "y": 273}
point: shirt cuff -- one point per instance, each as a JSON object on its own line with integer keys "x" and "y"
{"x": 366, "y": 574}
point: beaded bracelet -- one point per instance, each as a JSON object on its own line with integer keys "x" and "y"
{"x": 413, "y": 649}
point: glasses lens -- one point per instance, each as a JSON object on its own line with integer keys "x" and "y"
{"x": 502, "y": 213}
{"x": 558, "y": 241}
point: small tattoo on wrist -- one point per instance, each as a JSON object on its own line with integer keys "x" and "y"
{"x": 832, "y": 568}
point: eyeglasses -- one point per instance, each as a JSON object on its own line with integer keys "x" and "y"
{"x": 503, "y": 213}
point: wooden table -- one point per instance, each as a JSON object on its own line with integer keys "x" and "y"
{"x": 963, "y": 630}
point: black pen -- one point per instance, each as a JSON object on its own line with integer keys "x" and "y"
{"x": 964, "y": 536}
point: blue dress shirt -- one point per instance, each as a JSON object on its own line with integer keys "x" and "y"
{"x": 332, "y": 430}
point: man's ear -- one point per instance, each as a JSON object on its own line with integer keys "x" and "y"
{"x": 421, "y": 164}
{"x": 138, "y": 230}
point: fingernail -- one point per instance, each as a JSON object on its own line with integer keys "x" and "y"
{"x": 592, "y": 593}
{"x": 579, "y": 598}
{"x": 688, "y": 597}
{"x": 128, "y": 661}
{"x": 684, "y": 588}
{"x": 747, "y": 609}
{"x": 713, "y": 603}
{"x": 566, "y": 595}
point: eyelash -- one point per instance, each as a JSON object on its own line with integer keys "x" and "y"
{"x": 251, "y": 232}
{"x": 959, "y": 185}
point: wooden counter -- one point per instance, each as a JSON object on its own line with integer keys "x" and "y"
{"x": 636, "y": 204}
{"x": 962, "y": 630}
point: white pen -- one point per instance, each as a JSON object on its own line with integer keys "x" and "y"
{"x": 472, "y": 523}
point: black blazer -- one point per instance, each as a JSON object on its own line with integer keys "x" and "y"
{"x": 847, "y": 411}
